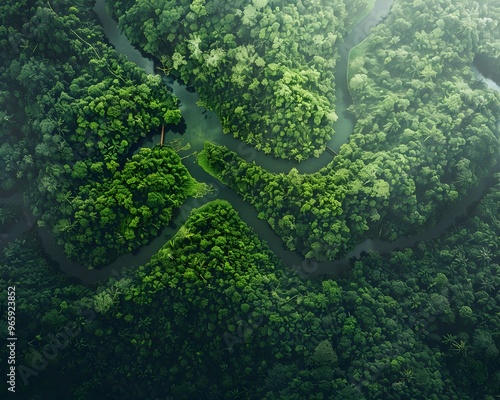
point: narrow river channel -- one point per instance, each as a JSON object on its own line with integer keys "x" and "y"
{"x": 202, "y": 124}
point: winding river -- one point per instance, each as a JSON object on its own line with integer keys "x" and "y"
{"x": 202, "y": 125}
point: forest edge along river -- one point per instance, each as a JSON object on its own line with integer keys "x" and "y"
{"x": 204, "y": 125}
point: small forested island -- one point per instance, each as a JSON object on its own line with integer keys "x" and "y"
{"x": 154, "y": 254}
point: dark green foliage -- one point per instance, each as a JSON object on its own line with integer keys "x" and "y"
{"x": 214, "y": 314}
{"x": 49, "y": 317}
{"x": 40, "y": 289}
{"x": 451, "y": 296}
{"x": 9, "y": 214}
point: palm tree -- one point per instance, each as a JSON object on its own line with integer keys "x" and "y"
{"x": 448, "y": 338}
{"x": 66, "y": 196}
{"x": 459, "y": 347}
{"x": 428, "y": 72}
{"x": 62, "y": 129}
{"x": 392, "y": 125}
{"x": 290, "y": 243}
{"x": 6, "y": 214}
{"x": 484, "y": 255}
{"x": 460, "y": 260}
{"x": 300, "y": 157}
{"x": 414, "y": 67}
{"x": 182, "y": 233}
{"x": 464, "y": 178}
{"x": 407, "y": 375}
{"x": 487, "y": 284}
{"x": 65, "y": 225}
{"x": 144, "y": 322}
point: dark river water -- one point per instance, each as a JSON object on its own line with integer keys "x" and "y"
{"x": 202, "y": 124}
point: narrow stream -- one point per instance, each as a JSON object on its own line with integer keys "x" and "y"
{"x": 207, "y": 127}
{"x": 204, "y": 125}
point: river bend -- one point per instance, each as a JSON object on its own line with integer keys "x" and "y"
{"x": 202, "y": 125}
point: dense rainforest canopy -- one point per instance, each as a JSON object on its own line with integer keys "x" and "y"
{"x": 266, "y": 67}
{"x": 74, "y": 109}
{"x": 215, "y": 314}
{"x": 425, "y": 134}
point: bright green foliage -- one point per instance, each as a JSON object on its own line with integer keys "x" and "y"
{"x": 265, "y": 67}
{"x": 289, "y": 202}
{"x": 426, "y": 133}
{"x": 115, "y": 115}
{"x": 123, "y": 212}
{"x": 72, "y": 109}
